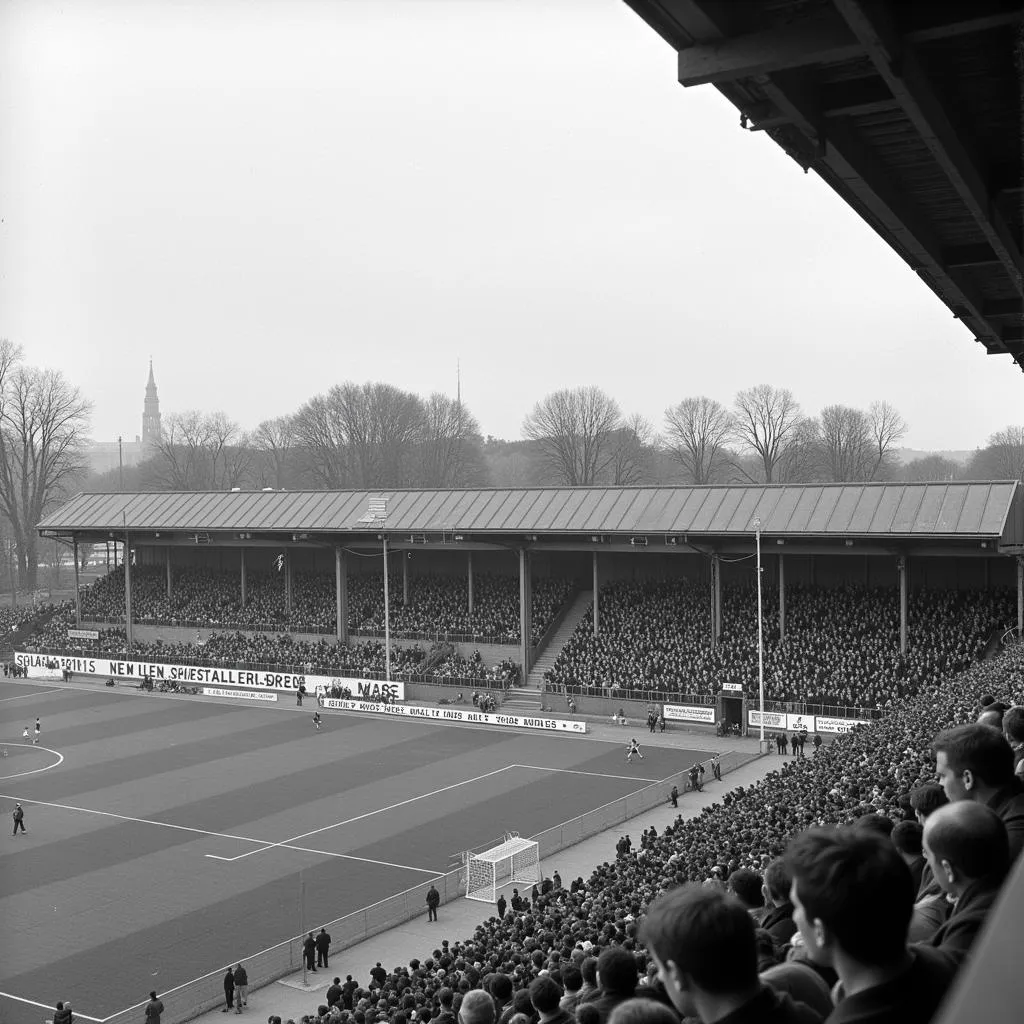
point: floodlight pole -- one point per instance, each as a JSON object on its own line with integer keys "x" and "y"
{"x": 387, "y": 605}
{"x": 760, "y": 631}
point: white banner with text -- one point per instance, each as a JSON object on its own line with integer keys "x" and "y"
{"x": 838, "y": 724}
{"x": 689, "y": 713}
{"x": 216, "y": 691}
{"x": 52, "y": 666}
{"x": 445, "y": 714}
{"x": 780, "y": 720}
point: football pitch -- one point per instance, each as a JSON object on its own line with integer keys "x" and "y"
{"x": 169, "y": 837}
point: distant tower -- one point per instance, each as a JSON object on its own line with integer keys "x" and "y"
{"x": 150, "y": 413}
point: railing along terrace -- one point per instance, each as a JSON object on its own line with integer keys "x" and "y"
{"x": 318, "y": 630}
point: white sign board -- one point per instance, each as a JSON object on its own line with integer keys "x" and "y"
{"x": 84, "y": 634}
{"x": 216, "y": 691}
{"x": 50, "y": 666}
{"x": 780, "y": 720}
{"x": 732, "y": 687}
{"x": 689, "y": 713}
{"x": 838, "y": 724}
{"x": 444, "y": 714}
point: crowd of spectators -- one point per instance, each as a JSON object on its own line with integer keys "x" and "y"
{"x": 605, "y": 940}
{"x": 438, "y": 606}
{"x": 841, "y": 647}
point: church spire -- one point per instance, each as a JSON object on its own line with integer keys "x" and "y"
{"x": 150, "y": 412}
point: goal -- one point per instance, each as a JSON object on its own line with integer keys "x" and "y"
{"x": 513, "y": 860}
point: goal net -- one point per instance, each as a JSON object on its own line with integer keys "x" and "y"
{"x": 513, "y": 860}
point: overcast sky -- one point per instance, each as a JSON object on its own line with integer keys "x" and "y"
{"x": 273, "y": 196}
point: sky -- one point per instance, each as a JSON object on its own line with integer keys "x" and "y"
{"x": 269, "y": 197}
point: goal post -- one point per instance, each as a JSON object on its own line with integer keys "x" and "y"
{"x": 513, "y": 860}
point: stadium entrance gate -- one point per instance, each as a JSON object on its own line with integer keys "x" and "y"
{"x": 730, "y": 712}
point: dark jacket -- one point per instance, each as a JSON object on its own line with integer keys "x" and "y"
{"x": 917, "y": 871}
{"x": 771, "y": 1007}
{"x": 1008, "y": 803}
{"x": 911, "y": 998}
{"x": 63, "y": 1016}
{"x": 229, "y": 982}
{"x": 153, "y": 1010}
{"x": 322, "y": 942}
{"x": 241, "y": 978}
{"x": 433, "y": 897}
{"x": 333, "y": 995}
{"x": 955, "y": 938}
{"x": 779, "y": 922}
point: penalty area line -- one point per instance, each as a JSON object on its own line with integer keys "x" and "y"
{"x": 572, "y": 771}
{"x": 22, "y": 696}
{"x": 330, "y": 853}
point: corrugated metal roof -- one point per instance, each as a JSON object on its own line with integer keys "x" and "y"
{"x": 819, "y": 510}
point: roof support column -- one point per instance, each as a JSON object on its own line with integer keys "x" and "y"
{"x": 168, "y": 560}
{"x": 525, "y": 610}
{"x": 716, "y": 600}
{"x": 126, "y": 561}
{"x": 782, "y": 598}
{"x": 405, "y": 581}
{"x": 243, "y": 578}
{"x": 340, "y": 596}
{"x": 78, "y": 596}
{"x": 288, "y": 582}
{"x": 469, "y": 581}
{"x": 901, "y": 568}
{"x": 597, "y": 598}
{"x": 1020, "y": 597}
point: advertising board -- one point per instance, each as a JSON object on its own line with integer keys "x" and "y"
{"x": 689, "y": 713}
{"x": 448, "y": 714}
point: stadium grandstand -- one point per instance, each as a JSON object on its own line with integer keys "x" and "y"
{"x": 911, "y": 597}
{"x": 598, "y": 595}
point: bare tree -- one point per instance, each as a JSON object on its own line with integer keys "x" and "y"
{"x": 321, "y": 438}
{"x": 1002, "y": 458}
{"x": 696, "y": 433}
{"x": 847, "y": 444}
{"x": 572, "y": 429}
{"x": 202, "y": 452}
{"x": 887, "y": 429}
{"x": 43, "y": 419}
{"x": 274, "y": 443}
{"x": 765, "y": 419}
{"x": 931, "y": 468}
{"x": 449, "y": 448}
{"x": 632, "y": 446}
{"x": 803, "y": 460}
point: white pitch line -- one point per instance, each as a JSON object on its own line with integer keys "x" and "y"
{"x": 262, "y": 843}
{"x": 47, "y": 1006}
{"x": 341, "y": 856}
{"x": 570, "y": 771}
{"x": 379, "y": 810}
{"x": 34, "y": 771}
{"x": 22, "y": 696}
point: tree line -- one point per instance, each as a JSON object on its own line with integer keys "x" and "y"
{"x": 376, "y": 435}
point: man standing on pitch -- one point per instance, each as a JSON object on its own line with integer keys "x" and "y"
{"x": 19, "y": 819}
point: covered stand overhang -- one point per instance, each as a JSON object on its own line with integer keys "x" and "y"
{"x": 910, "y": 111}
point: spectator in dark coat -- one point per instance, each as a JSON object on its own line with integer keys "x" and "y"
{"x": 853, "y": 897}
{"x": 323, "y": 946}
{"x": 546, "y": 996}
{"x": 62, "y": 1014}
{"x": 702, "y": 940}
{"x": 906, "y": 837}
{"x": 309, "y": 951}
{"x": 778, "y": 918}
{"x": 334, "y": 993}
{"x": 241, "y": 988}
{"x": 974, "y": 762}
{"x": 433, "y": 902}
{"x": 617, "y": 977}
{"x": 153, "y": 1009}
{"x": 502, "y": 907}
{"x": 967, "y": 848}
{"x": 229, "y": 991}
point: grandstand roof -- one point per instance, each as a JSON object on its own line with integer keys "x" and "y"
{"x": 910, "y": 111}
{"x": 982, "y": 510}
